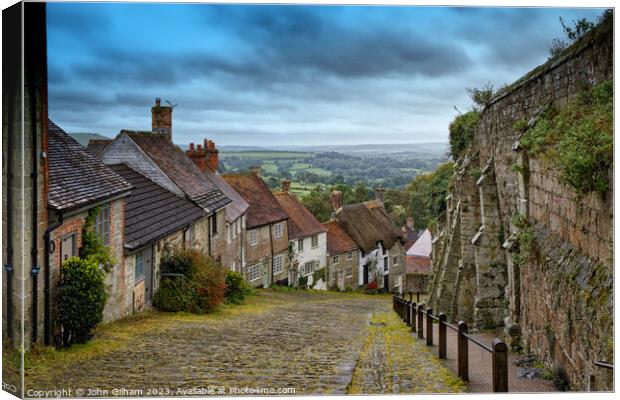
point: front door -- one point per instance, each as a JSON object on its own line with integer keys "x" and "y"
{"x": 366, "y": 274}
{"x": 341, "y": 280}
{"x": 386, "y": 283}
{"x": 147, "y": 256}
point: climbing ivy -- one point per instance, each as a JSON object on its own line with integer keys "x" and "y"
{"x": 92, "y": 244}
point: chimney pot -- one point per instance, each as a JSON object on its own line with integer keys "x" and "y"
{"x": 199, "y": 147}
{"x": 336, "y": 198}
{"x": 191, "y": 146}
{"x": 158, "y": 102}
{"x": 205, "y": 143}
{"x": 161, "y": 120}
{"x": 286, "y": 185}
{"x": 379, "y": 193}
{"x": 255, "y": 170}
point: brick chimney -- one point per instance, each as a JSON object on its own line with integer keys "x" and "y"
{"x": 286, "y": 185}
{"x": 206, "y": 158}
{"x": 379, "y": 193}
{"x": 162, "y": 119}
{"x": 336, "y": 197}
{"x": 410, "y": 222}
{"x": 256, "y": 170}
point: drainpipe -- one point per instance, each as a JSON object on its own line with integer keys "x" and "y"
{"x": 46, "y": 291}
{"x": 209, "y": 235}
{"x": 35, "y": 234}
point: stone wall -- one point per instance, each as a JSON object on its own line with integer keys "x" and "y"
{"x": 343, "y": 265}
{"x": 262, "y": 252}
{"x": 554, "y": 298}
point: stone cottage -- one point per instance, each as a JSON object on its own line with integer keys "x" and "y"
{"x": 232, "y": 250}
{"x": 155, "y": 219}
{"x": 266, "y": 238}
{"x": 307, "y": 240}
{"x": 343, "y": 258}
{"x": 78, "y": 185}
{"x": 155, "y": 156}
{"x": 380, "y": 241}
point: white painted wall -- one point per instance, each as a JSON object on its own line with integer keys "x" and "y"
{"x": 318, "y": 253}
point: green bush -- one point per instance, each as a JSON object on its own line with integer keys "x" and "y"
{"x": 81, "y": 298}
{"x": 578, "y": 139}
{"x": 200, "y": 289}
{"x": 236, "y": 288}
{"x": 462, "y": 130}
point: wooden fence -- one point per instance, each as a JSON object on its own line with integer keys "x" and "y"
{"x": 414, "y": 315}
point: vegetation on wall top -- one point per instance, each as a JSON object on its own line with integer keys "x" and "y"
{"x": 577, "y": 139}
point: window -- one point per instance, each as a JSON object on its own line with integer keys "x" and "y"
{"x": 308, "y": 268}
{"x": 68, "y": 247}
{"x": 254, "y": 272}
{"x": 335, "y": 260}
{"x": 300, "y": 245}
{"x": 395, "y": 260}
{"x": 253, "y": 237}
{"x": 350, "y": 256}
{"x": 333, "y": 276}
{"x": 102, "y": 224}
{"x": 214, "y": 224}
{"x": 277, "y": 231}
{"x": 229, "y": 229}
{"x": 190, "y": 234}
{"x": 349, "y": 272}
{"x": 139, "y": 274}
{"x": 315, "y": 241}
{"x": 385, "y": 264}
{"x": 278, "y": 265}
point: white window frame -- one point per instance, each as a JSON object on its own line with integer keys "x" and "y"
{"x": 254, "y": 273}
{"x": 349, "y": 272}
{"x": 277, "y": 230}
{"x": 229, "y": 229}
{"x": 350, "y": 255}
{"x": 253, "y": 237}
{"x": 278, "y": 264}
{"x": 103, "y": 224}
{"x": 314, "y": 241}
{"x": 335, "y": 259}
{"x": 300, "y": 245}
{"x": 395, "y": 260}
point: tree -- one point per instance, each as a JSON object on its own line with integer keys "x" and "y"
{"x": 361, "y": 193}
{"x": 427, "y": 195}
{"x": 573, "y": 33}
{"x": 481, "y": 96}
{"x": 318, "y": 203}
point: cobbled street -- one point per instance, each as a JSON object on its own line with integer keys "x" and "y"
{"x": 313, "y": 342}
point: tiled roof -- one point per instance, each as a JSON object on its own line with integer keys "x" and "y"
{"x": 423, "y": 246}
{"x": 180, "y": 169}
{"x": 418, "y": 265}
{"x": 368, "y": 223}
{"x": 96, "y": 146}
{"x": 264, "y": 208}
{"x": 151, "y": 211}
{"x": 238, "y": 206}
{"x": 301, "y": 222}
{"x": 338, "y": 241}
{"x": 76, "y": 177}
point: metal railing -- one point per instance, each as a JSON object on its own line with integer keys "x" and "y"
{"x": 413, "y": 316}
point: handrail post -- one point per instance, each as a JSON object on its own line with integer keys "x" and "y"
{"x": 442, "y": 336}
{"x": 408, "y": 312}
{"x": 410, "y": 297}
{"x": 500, "y": 366}
{"x": 429, "y": 327}
{"x": 421, "y": 321}
{"x": 393, "y": 302}
{"x": 413, "y": 316}
{"x": 463, "y": 355}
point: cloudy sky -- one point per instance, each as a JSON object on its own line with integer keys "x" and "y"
{"x": 293, "y": 75}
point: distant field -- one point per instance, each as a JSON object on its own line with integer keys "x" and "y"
{"x": 267, "y": 155}
{"x": 302, "y": 189}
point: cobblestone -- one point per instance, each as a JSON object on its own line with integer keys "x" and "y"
{"x": 303, "y": 340}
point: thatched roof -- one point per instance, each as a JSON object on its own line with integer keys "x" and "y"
{"x": 368, "y": 223}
